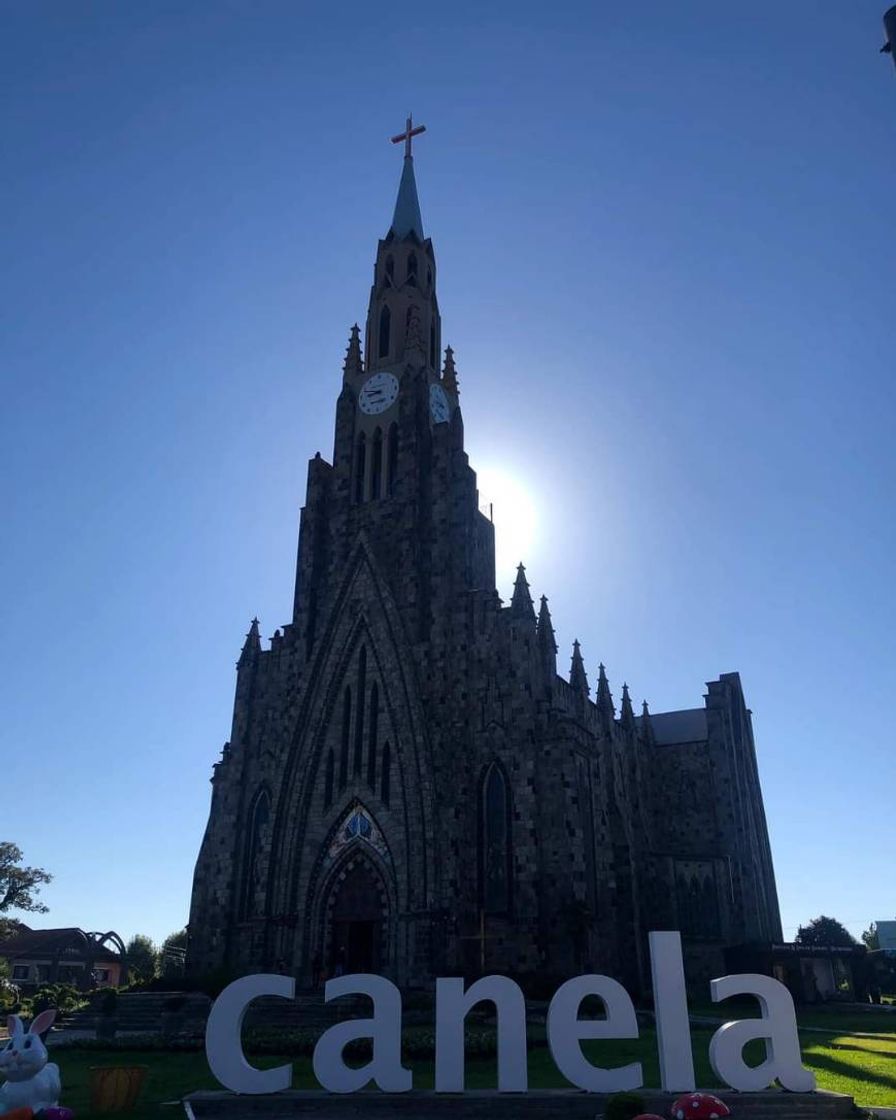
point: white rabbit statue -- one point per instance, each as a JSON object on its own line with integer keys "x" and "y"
{"x": 30, "y": 1081}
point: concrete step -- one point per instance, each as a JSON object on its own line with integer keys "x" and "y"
{"x": 483, "y": 1105}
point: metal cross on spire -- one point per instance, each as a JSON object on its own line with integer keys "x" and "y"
{"x": 409, "y": 131}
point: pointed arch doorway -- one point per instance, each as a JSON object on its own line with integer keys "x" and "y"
{"x": 357, "y": 919}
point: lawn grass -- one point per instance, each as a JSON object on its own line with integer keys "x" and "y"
{"x": 864, "y": 1068}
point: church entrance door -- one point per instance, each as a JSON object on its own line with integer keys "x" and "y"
{"x": 357, "y": 921}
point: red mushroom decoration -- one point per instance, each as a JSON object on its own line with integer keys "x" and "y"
{"x": 648, "y": 1116}
{"x": 699, "y": 1106}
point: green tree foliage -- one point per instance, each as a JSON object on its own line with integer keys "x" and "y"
{"x": 142, "y": 957}
{"x": 825, "y": 931}
{"x": 870, "y": 937}
{"x": 19, "y": 886}
{"x": 171, "y": 955}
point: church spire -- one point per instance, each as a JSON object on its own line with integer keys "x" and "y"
{"x": 647, "y": 725}
{"x": 449, "y": 373}
{"x": 251, "y": 646}
{"x": 603, "y": 699}
{"x": 627, "y": 713}
{"x": 577, "y": 677}
{"x": 406, "y": 220}
{"x": 521, "y": 605}
{"x": 353, "y": 361}
{"x": 547, "y": 643}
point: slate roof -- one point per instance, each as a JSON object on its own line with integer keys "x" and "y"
{"x": 46, "y": 942}
{"x": 686, "y": 726}
{"x": 407, "y": 218}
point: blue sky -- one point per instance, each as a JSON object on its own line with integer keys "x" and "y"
{"x": 666, "y": 267}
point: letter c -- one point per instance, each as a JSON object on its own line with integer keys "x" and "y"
{"x": 223, "y": 1035}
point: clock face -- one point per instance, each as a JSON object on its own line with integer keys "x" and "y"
{"x": 438, "y": 404}
{"x": 378, "y": 393}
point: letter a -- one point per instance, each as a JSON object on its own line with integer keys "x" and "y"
{"x": 384, "y": 1028}
{"x": 777, "y": 1026}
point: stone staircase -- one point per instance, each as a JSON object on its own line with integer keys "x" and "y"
{"x": 147, "y": 1013}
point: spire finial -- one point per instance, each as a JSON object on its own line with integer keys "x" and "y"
{"x": 577, "y": 676}
{"x": 646, "y": 724}
{"x": 353, "y": 363}
{"x": 545, "y": 631}
{"x": 604, "y": 699}
{"x": 407, "y": 220}
{"x": 252, "y": 645}
{"x": 627, "y": 712}
{"x": 521, "y": 603}
{"x": 449, "y": 373}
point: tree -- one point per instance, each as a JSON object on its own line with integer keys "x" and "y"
{"x": 825, "y": 931}
{"x": 142, "y": 957}
{"x": 172, "y": 953}
{"x": 870, "y": 936}
{"x": 19, "y": 885}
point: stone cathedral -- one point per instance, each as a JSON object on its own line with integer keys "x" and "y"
{"x": 410, "y": 787}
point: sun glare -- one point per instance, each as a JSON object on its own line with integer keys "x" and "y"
{"x": 515, "y": 515}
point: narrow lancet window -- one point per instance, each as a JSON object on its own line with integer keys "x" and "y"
{"x": 385, "y": 328}
{"x": 376, "y": 464}
{"x": 253, "y": 886}
{"x": 391, "y": 459}
{"x": 390, "y": 267}
{"x": 359, "y": 719}
{"x": 372, "y": 733}
{"x": 494, "y": 842}
{"x": 346, "y": 735}
{"x": 387, "y": 763}
{"x": 328, "y": 780}
{"x": 412, "y": 269}
{"x": 360, "y": 467}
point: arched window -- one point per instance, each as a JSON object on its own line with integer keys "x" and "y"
{"x": 432, "y": 345}
{"x": 385, "y": 327}
{"x": 376, "y": 464}
{"x": 256, "y": 839}
{"x": 346, "y": 732}
{"x": 412, "y": 269}
{"x": 360, "y": 467}
{"x": 494, "y": 842}
{"x": 328, "y": 780}
{"x": 429, "y": 278}
{"x": 391, "y": 459}
{"x": 359, "y": 718}
{"x": 371, "y": 734}
{"x": 390, "y": 267}
{"x": 384, "y": 781}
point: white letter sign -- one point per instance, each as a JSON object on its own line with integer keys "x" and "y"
{"x": 670, "y": 1003}
{"x": 223, "y": 1035}
{"x": 384, "y": 1028}
{"x": 565, "y": 1028}
{"x": 452, "y": 1005}
{"x": 777, "y": 1026}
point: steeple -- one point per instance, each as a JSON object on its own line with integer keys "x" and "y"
{"x": 603, "y": 699}
{"x": 403, "y": 314}
{"x": 647, "y": 726}
{"x": 577, "y": 678}
{"x": 251, "y": 646}
{"x": 353, "y": 362}
{"x": 449, "y": 373}
{"x": 547, "y": 643}
{"x": 627, "y": 714}
{"x": 406, "y": 220}
{"x": 521, "y": 603}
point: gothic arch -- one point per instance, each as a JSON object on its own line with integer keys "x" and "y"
{"x": 379, "y": 901}
{"x": 384, "y": 333}
{"x": 257, "y": 821}
{"x": 409, "y": 818}
{"x": 495, "y": 849}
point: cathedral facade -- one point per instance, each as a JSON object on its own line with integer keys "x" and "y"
{"x": 410, "y": 787}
